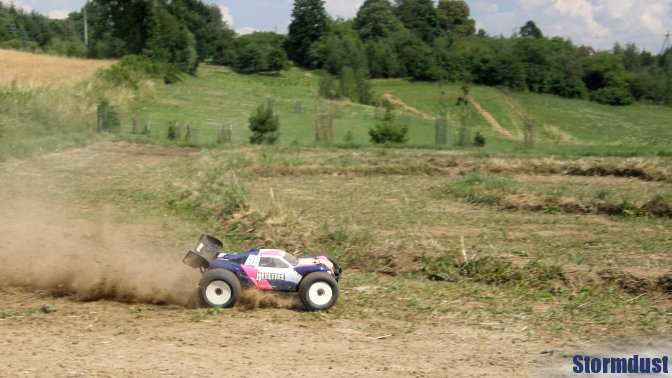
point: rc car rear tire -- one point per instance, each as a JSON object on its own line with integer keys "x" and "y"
{"x": 318, "y": 291}
{"x": 219, "y": 288}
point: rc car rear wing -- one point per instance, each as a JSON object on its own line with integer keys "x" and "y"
{"x": 207, "y": 249}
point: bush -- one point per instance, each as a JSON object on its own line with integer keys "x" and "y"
{"x": 479, "y": 140}
{"x": 132, "y": 69}
{"x": 264, "y": 124}
{"x": 387, "y": 131}
{"x": 616, "y": 96}
{"x": 259, "y": 52}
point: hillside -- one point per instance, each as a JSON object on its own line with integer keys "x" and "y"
{"x": 218, "y": 96}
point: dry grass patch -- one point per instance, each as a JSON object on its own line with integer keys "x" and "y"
{"x": 27, "y": 69}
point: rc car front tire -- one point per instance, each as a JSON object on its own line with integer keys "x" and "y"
{"x": 219, "y": 288}
{"x": 318, "y": 291}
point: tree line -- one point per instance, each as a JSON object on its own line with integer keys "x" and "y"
{"x": 416, "y": 39}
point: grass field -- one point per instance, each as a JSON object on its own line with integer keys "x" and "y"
{"x": 396, "y": 220}
{"x": 217, "y": 96}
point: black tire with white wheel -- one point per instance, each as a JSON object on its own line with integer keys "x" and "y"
{"x": 318, "y": 291}
{"x": 219, "y": 288}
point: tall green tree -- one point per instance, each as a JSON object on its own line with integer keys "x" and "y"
{"x": 420, "y": 17}
{"x": 309, "y": 23}
{"x": 259, "y": 52}
{"x": 338, "y": 48}
{"x": 203, "y": 21}
{"x": 376, "y": 19}
{"x": 607, "y": 79}
{"x": 417, "y": 57}
{"x": 454, "y": 18}
{"x": 383, "y": 59}
{"x": 531, "y": 30}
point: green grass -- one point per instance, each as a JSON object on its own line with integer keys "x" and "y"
{"x": 583, "y": 122}
{"x": 218, "y": 96}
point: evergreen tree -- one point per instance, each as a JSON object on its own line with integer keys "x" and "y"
{"x": 309, "y": 23}
{"x": 375, "y": 19}
{"x": 454, "y": 18}
{"x": 264, "y": 124}
{"x": 387, "y": 131}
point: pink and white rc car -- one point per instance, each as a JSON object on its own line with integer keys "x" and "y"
{"x": 315, "y": 278}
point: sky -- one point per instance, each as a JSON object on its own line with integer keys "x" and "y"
{"x": 596, "y": 23}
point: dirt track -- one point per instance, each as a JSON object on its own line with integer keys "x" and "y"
{"x": 51, "y": 243}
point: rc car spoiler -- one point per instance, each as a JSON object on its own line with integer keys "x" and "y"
{"x": 207, "y": 249}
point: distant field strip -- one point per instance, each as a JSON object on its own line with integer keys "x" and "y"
{"x": 32, "y": 69}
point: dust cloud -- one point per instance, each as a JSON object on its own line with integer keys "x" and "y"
{"x": 90, "y": 258}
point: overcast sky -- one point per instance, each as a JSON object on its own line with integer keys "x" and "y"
{"x": 596, "y": 23}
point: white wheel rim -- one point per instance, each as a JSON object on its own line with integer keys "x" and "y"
{"x": 320, "y": 293}
{"x": 218, "y": 293}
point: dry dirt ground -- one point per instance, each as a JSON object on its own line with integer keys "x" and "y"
{"x": 83, "y": 294}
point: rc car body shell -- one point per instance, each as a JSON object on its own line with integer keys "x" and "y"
{"x": 264, "y": 269}
{"x": 272, "y": 269}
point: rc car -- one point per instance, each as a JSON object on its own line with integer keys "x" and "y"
{"x": 315, "y": 278}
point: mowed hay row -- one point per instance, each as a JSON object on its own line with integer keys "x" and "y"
{"x": 26, "y": 69}
{"x": 647, "y": 169}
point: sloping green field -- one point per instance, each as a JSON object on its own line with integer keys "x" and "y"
{"x": 218, "y": 96}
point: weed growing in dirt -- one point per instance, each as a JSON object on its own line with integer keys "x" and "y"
{"x": 213, "y": 195}
{"x": 8, "y": 314}
{"x": 491, "y": 270}
{"x": 200, "y": 315}
{"x": 479, "y": 188}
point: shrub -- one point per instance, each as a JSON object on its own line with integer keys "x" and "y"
{"x": 387, "y": 131}
{"x": 174, "y": 131}
{"x": 479, "y": 188}
{"x": 479, "y": 140}
{"x": 614, "y": 95}
{"x": 132, "y": 69}
{"x": 264, "y": 124}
